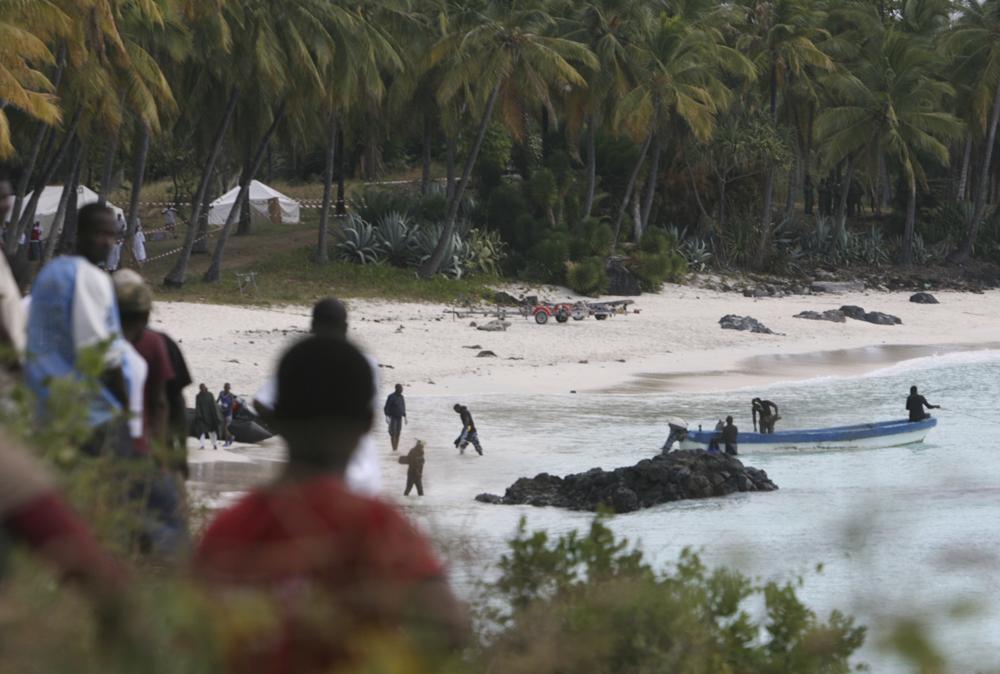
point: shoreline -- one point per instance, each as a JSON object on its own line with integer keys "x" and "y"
{"x": 674, "y": 344}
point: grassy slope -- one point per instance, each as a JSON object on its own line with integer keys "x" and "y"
{"x": 281, "y": 256}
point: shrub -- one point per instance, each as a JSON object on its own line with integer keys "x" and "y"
{"x": 359, "y": 242}
{"x": 588, "y": 277}
{"x": 507, "y": 212}
{"x": 609, "y": 611}
{"x": 395, "y": 236}
{"x": 551, "y": 255}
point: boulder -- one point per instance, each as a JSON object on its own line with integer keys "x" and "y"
{"x": 923, "y": 298}
{"x": 486, "y": 354}
{"x": 621, "y": 280}
{"x": 832, "y": 315}
{"x": 837, "y": 287}
{"x": 744, "y": 323}
{"x": 662, "y": 479}
{"x": 505, "y": 299}
{"x": 878, "y": 318}
{"x": 494, "y": 326}
{"x": 855, "y": 312}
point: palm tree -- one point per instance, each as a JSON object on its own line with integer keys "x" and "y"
{"x": 680, "y": 89}
{"x": 975, "y": 44}
{"x": 499, "y": 54}
{"x": 890, "y": 105}
{"x": 285, "y": 50}
{"x": 782, "y": 36}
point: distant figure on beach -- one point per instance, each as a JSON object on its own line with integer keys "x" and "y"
{"x": 395, "y": 415}
{"x": 730, "y": 435}
{"x": 207, "y": 419}
{"x": 115, "y": 257}
{"x": 768, "y": 413}
{"x": 35, "y": 245}
{"x": 139, "y": 245}
{"x": 170, "y": 219}
{"x": 915, "y": 405}
{"x": 227, "y": 405}
{"x": 318, "y": 547}
{"x": 469, "y": 433}
{"x": 415, "y": 469}
{"x": 329, "y": 319}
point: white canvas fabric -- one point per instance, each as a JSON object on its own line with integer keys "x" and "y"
{"x": 48, "y": 205}
{"x": 261, "y": 197}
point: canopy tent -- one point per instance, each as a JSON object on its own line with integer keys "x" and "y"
{"x": 266, "y": 205}
{"x": 48, "y": 204}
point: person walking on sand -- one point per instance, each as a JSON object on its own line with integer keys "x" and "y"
{"x": 395, "y": 415}
{"x": 915, "y": 405}
{"x": 469, "y": 433}
{"x": 227, "y": 404}
{"x": 207, "y": 420}
{"x": 415, "y": 469}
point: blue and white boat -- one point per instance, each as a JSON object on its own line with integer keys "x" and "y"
{"x": 859, "y": 436}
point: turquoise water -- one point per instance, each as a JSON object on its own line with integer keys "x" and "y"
{"x": 910, "y": 531}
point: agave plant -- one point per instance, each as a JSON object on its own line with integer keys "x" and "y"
{"x": 426, "y": 240}
{"x": 697, "y": 254}
{"x": 396, "y": 238}
{"x": 485, "y": 251}
{"x": 359, "y": 243}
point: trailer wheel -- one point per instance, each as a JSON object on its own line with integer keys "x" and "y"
{"x": 600, "y": 317}
{"x": 580, "y": 312}
{"x": 561, "y": 316}
{"x": 541, "y": 318}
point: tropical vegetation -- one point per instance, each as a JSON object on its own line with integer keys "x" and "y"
{"x": 757, "y": 134}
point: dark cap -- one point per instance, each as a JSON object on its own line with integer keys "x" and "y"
{"x": 324, "y": 377}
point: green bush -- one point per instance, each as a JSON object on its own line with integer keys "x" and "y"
{"x": 588, "y": 276}
{"x": 507, "y": 212}
{"x": 550, "y": 255}
{"x": 609, "y": 612}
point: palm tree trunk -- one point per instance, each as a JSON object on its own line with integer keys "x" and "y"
{"x": 631, "y": 186}
{"x": 243, "y": 200}
{"x": 840, "y": 222}
{"x": 963, "y": 177}
{"x": 963, "y": 253}
{"x": 66, "y": 238}
{"x": 176, "y": 276}
{"x": 450, "y": 161}
{"x": 654, "y": 172}
{"x": 431, "y": 266}
{"x": 588, "y": 202}
{"x": 425, "y": 176}
{"x": 637, "y": 228}
{"x": 322, "y": 246}
{"x": 341, "y": 171}
{"x": 138, "y": 177}
{"x": 911, "y": 219}
{"x": 44, "y": 178}
{"x": 771, "y": 175}
{"x": 107, "y": 171}
{"x": 44, "y": 132}
{"x": 68, "y": 193}
{"x": 201, "y": 241}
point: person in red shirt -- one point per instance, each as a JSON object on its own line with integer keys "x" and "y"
{"x": 306, "y": 538}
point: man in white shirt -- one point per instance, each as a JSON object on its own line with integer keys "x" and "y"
{"x": 73, "y": 311}
{"x": 363, "y": 475}
{"x": 13, "y": 319}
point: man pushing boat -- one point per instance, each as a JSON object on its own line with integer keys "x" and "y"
{"x": 768, "y": 413}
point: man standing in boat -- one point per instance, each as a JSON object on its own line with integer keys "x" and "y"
{"x": 730, "y": 435}
{"x": 915, "y": 405}
{"x": 768, "y": 413}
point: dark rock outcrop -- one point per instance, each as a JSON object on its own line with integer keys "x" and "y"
{"x": 744, "y": 323}
{"x": 838, "y": 287}
{"x": 875, "y": 317}
{"x": 833, "y": 315}
{"x": 851, "y": 311}
{"x": 621, "y": 280}
{"x": 923, "y": 298}
{"x": 664, "y": 478}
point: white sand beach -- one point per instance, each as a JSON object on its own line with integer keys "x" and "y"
{"x": 673, "y": 343}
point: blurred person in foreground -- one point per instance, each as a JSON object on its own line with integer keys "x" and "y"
{"x": 13, "y": 319}
{"x": 341, "y": 567}
{"x": 74, "y": 311}
{"x": 329, "y": 319}
{"x": 159, "y": 480}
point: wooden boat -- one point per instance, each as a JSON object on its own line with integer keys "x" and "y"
{"x": 859, "y": 436}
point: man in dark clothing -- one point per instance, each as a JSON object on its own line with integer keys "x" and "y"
{"x": 207, "y": 418}
{"x": 415, "y": 469}
{"x": 395, "y": 413}
{"x": 730, "y": 434}
{"x": 915, "y": 405}
{"x": 768, "y": 413}
{"x": 468, "y": 433}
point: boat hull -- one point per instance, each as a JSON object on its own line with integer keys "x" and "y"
{"x": 861, "y": 436}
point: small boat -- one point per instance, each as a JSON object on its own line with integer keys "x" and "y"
{"x": 859, "y": 436}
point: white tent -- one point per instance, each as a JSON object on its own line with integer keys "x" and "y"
{"x": 266, "y": 205}
{"x": 48, "y": 204}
